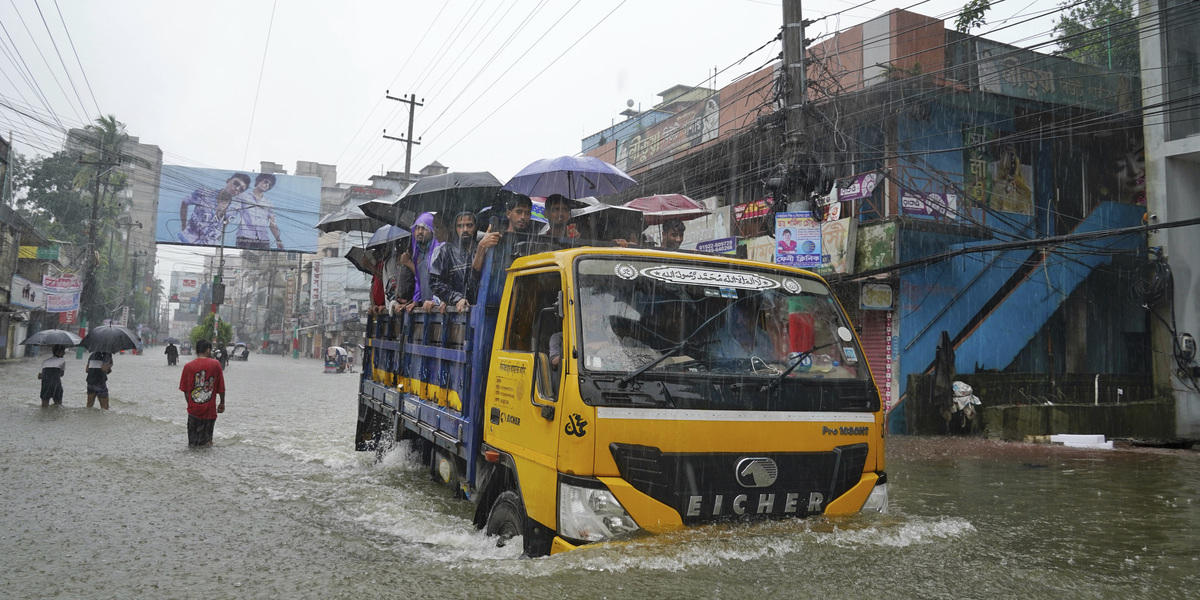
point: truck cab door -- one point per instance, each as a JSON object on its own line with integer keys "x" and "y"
{"x": 521, "y": 398}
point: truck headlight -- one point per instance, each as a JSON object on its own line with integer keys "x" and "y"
{"x": 877, "y": 502}
{"x": 591, "y": 514}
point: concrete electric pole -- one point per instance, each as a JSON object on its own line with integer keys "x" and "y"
{"x": 411, "y": 100}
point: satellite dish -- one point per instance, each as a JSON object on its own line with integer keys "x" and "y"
{"x": 629, "y": 103}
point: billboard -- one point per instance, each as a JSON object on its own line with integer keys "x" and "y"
{"x": 237, "y": 209}
{"x": 26, "y": 293}
{"x": 186, "y": 287}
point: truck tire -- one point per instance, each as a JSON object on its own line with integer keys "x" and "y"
{"x": 507, "y": 518}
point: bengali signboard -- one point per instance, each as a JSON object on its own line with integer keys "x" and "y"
{"x": 997, "y": 173}
{"x": 315, "y": 285}
{"x": 837, "y": 246}
{"x": 60, "y": 303}
{"x": 690, "y": 127}
{"x": 1020, "y": 73}
{"x": 797, "y": 240}
{"x": 944, "y": 206}
{"x": 62, "y": 292}
{"x": 221, "y": 207}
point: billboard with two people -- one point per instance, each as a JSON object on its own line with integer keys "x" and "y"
{"x": 251, "y": 211}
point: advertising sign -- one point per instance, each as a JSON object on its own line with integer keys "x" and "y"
{"x": 316, "y": 285}
{"x": 722, "y": 246}
{"x": 797, "y": 240}
{"x": 62, "y": 284}
{"x": 688, "y": 128}
{"x": 837, "y": 246}
{"x": 256, "y": 211}
{"x": 1031, "y": 75}
{"x": 61, "y": 303}
{"x": 26, "y": 293}
{"x": 186, "y": 287}
{"x": 876, "y": 296}
{"x": 998, "y": 172}
{"x": 943, "y": 206}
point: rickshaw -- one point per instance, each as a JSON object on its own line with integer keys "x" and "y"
{"x": 336, "y": 358}
{"x": 240, "y": 352}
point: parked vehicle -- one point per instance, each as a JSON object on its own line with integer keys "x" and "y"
{"x": 593, "y": 393}
{"x": 185, "y": 348}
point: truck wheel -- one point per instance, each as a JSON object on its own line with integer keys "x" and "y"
{"x": 507, "y": 518}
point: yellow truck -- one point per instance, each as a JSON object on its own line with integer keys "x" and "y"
{"x": 592, "y": 394}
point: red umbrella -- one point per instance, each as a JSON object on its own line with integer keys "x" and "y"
{"x": 661, "y": 208}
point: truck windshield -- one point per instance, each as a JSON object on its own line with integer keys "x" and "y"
{"x": 709, "y": 318}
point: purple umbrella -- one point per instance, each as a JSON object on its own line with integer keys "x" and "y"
{"x": 571, "y": 176}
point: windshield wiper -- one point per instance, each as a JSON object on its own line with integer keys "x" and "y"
{"x": 792, "y": 367}
{"x": 673, "y": 350}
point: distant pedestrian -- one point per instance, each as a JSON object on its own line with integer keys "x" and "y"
{"x": 201, "y": 380}
{"x": 51, "y": 375}
{"x": 172, "y": 354}
{"x": 99, "y": 365}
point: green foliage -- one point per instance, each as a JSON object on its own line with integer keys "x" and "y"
{"x": 204, "y": 331}
{"x": 972, "y": 15}
{"x": 1103, "y": 33}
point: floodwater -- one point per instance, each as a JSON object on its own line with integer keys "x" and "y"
{"x": 114, "y": 504}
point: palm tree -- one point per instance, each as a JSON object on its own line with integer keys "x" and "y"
{"x": 105, "y": 139}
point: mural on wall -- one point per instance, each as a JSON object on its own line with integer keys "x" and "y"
{"x": 997, "y": 172}
{"x": 1122, "y": 171}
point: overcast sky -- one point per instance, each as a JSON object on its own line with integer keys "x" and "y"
{"x": 503, "y": 82}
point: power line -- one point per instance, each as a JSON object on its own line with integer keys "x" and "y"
{"x": 258, "y": 88}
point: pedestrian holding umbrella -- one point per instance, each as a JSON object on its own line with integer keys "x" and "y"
{"x": 52, "y": 372}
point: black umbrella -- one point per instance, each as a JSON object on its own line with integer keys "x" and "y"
{"x": 362, "y": 259}
{"x": 52, "y": 337}
{"x": 386, "y": 235}
{"x": 450, "y": 192}
{"x": 110, "y": 338}
{"x": 170, "y": 340}
{"x": 386, "y": 210}
{"x": 606, "y": 222}
{"x": 351, "y": 219}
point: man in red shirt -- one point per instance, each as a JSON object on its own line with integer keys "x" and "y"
{"x": 201, "y": 380}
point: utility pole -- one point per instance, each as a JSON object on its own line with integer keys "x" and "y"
{"x": 795, "y": 71}
{"x": 88, "y": 296}
{"x": 411, "y": 100}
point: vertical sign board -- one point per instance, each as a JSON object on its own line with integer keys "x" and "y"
{"x": 316, "y": 285}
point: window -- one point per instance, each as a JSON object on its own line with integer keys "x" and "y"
{"x": 531, "y": 294}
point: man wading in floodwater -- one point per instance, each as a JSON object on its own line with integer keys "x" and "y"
{"x": 201, "y": 380}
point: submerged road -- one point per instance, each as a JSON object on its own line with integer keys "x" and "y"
{"x": 114, "y": 504}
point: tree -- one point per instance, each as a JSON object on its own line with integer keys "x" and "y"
{"x": 105, "y": 137}
{"x": 1103, "y": 33}
{"x": 204, "y": 331}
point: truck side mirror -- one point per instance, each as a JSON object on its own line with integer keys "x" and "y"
{"x": 558, "y": 306}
